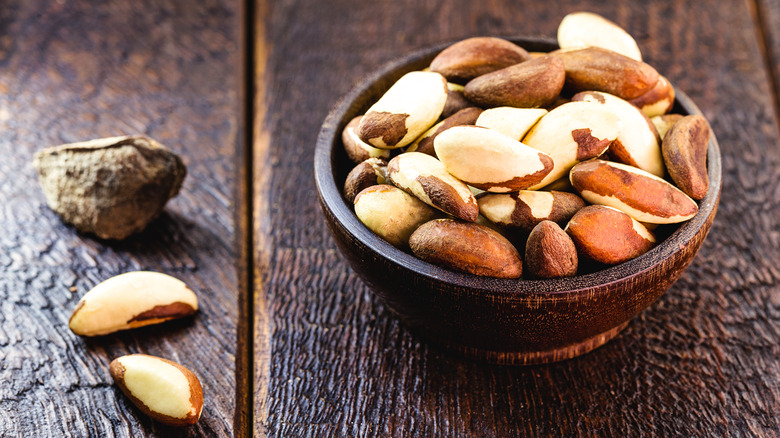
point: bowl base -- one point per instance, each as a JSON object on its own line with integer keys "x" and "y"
{"x": 534, "y": 357}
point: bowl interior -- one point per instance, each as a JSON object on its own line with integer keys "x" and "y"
{"x": 332, "y": 166}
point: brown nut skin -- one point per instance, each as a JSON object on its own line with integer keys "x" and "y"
{"x": 472, "y": 57}
{"x": 607, "y": 235}
{"x": 531, "y": 84}
{"x": 599, "y": 69}
{"x": 643, "y": 196}
{"x": 685, "y": 153}
{"x": 424, "y": 144}
{"x": 117, "y": 371}
{"x": 550, "y": 252}
{"x": 466, "y": 247}
{"x": 455, "y": 102}
{"x": 658, "y": 101}
{"x": 357, "y": 150}
{"x": 366, "y": 174}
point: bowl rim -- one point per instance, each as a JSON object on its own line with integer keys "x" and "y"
{"x": 331, "y": 197}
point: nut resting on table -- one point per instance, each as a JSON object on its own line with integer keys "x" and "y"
{"x": 494, "y": 157}
{"x": 111, "y": 187}
{"x": 160, "y": 388}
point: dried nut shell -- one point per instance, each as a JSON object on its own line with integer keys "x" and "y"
{"x": 550, "y": 252}
{"x": 685, "y": 155}
{"x": 512, "y": 122}
{"x": 466, "y": 247}
{"x": 642, "y": 195}
{"x": 406, "y": 110}
{"x": 607, "y": 235}
{"x": 369, "y": 173}
{"x": 160, "y": 388}
{"x": 357, "y": 150}
{"x": 527, "y": 208}
{"x": 596, "y": 69}
{"x": 456, "y": 101}
{"x": 573, "y": 132}
{"x": 489, "y": 160}
{"x": 586, "y": 29}
{"x": 665, "y": 122}
{"x": 657, "y": 101}
{"x": 111, "y": 187}
{"x": 531, "y": 84}
{"x": 472, "y": 57}
{"x": 424, "y": 143}
{"x": 391, "y": 213}
{"x": 131, "y": 300}
{"x": 637, "y": 143}
{"x": 426, "y": 178}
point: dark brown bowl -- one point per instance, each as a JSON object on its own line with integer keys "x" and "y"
{"x": 499, "y": 320}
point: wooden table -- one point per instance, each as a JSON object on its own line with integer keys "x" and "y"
{"x": 288, "y": 341}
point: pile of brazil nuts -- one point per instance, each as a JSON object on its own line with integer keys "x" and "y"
{"x": 492, "y": 151}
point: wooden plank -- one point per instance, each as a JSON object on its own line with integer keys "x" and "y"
{"x": 701, "y": 361}
{"x": 767, "y": 18}
{"x": 77, "y": 70}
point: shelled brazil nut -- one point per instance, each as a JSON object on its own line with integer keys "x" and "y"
{"x": 494, "y": 155}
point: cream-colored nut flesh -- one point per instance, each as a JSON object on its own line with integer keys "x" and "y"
{"x": 424, "y": 143}
{"x": 131, "y": 300}
{"x": 426, "y": 178}
{"x": 406, "y": 110}
{"x": 570, "y": 133}
{"x": 162, "y": 389}
{"x": 490, "y": 160}
{"x": 665, "y": 122}
{"x": 391, "y": 213}
{"x": 640, "y": 194}
{"x": 512, "y": 122}
{"x": 638, "y": 143}
{"x": 586, "y": 29}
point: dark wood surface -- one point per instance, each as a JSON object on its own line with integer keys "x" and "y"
{"x": 702, "y": 361}
{"x": 75, "y": 70}
{"x": 324, "y": 357}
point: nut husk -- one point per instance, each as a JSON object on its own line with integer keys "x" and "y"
{"x": 111, "y": 187}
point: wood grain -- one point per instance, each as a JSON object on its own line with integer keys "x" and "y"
{"x": 702, "y": 361}
{"x": 76, "y": 70}
{"x": 767, "y": 19}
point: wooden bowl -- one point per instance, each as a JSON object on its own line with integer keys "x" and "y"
{"x": 498, "y": 320}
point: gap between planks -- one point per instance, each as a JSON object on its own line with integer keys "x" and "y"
{"x": 253, "y": 361}
{"x": 259, "y": 327}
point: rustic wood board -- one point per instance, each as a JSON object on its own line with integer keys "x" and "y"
{"x": 331, "y": 361}
{"x": 75, "y": 70}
